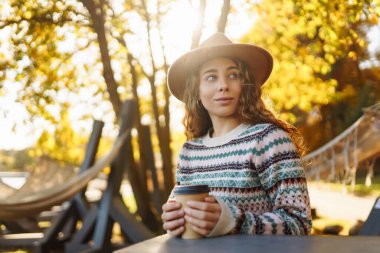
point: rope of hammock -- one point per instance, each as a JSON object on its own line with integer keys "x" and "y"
{"x": 339, "y": 159}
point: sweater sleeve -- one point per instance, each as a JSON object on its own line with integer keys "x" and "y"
{"x": 282, "y": 177}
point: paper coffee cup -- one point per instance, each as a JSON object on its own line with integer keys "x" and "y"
{"x": 184, "y": 193}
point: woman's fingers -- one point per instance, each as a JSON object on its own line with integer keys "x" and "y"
{"x": 200, "y": 223}
{"x": 204, "y": 206}
{"x": 176, "y": 232}
{"x": 172, "y": 215}
{"x": 174, "y": 224}
{"x": 173, "y": 218}
{"x": 170, "y": 206}
{"x": 210, "y": 199}
{"x": 201, "y": 231}
{"x": 201, "y": 214}
{"x": 208, "y": 210}
{"x": 171, "y": 211}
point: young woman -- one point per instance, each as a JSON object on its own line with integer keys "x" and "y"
{"x": 249, "y": 159}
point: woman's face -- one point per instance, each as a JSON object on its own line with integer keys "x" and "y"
{"x": 220, "y": 87}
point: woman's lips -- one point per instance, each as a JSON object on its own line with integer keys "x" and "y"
{"x": 224, "y": 100}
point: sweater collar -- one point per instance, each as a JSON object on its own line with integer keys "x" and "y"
{"x": 220, "y": 140}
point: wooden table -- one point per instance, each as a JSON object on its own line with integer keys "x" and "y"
{"x": 265, "y": 244}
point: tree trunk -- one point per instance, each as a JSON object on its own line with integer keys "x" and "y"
{"x": 162, "y": 132}
{"x": 168, "y": 169}
{"x": 95, "y": 9}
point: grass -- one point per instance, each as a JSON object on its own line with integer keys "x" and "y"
{"x": 360, "y": 189}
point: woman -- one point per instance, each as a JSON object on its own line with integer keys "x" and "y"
{"x": 248, "y": 157}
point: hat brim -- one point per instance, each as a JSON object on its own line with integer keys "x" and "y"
{"x": 259, "y": 61}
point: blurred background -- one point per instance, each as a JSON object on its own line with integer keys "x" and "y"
{"x": 65, "y": 63}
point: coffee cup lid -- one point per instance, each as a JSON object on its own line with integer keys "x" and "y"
{"x": 191, "y": 189}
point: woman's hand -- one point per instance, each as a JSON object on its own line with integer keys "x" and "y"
{"x": 203, "y": 216}
{"x": 173, "y": 218}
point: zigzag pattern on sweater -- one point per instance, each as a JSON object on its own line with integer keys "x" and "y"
{"x": 219, "y": 182}
{"x": 232, "y": 175}
{"x": 293, "y": 222}
{"x": 227, "y": 166}
{"x": 279, "y": 157}
{"x": 253, "y": 133}
{"x": 247, "y": 199}
{"x": 295, "y": 215}
{"x": 259, "y": 131}
{"x": 252, "y": 150}
{"x": 286, "y": 164}
{"x": 246, "y": 165}
{"x": 257, "y": 174}
{"x": 285, "y": 185}
{"x": 233, "y": 178}
{"x": 280, "y": 176}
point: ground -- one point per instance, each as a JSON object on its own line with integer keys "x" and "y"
{"x": 338, "y": 207}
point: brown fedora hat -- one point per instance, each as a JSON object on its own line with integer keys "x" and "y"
{"x": 259, "y": 61}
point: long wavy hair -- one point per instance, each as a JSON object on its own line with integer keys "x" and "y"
{"x": 251, "y": 108}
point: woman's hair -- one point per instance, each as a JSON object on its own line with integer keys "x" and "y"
{"x": 251, "y": 108}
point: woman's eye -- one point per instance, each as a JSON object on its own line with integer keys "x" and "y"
{"x": 211, "y": 78}
{"x": 233, "y": 76}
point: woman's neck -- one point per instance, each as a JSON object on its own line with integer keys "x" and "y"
{"x": 222, "y": 126}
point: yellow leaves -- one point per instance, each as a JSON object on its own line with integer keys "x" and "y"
{"x": 327, "y": 33}
{"x": 353, "y": 55}
{"x": 348, "y": 91}
{"x": 377, "y": 10}
{"x": 28, "y": 14}
{"x": 325, "y": 69}
{"x": 306, "y": 42}
{"x": 293, "y": 83}
{"x": 361, "y": 43}
{"x": 328, "y": 48}
{"x": 62, "y": 144}
{"x": 374, "y": 19}
{"x": 311, "y": 32}
{"x": 330, "y": 58}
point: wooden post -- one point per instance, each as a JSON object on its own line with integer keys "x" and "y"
{"x": 96, "y": 232}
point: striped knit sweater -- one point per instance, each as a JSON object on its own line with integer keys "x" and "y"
{"x": 256, "y": 174}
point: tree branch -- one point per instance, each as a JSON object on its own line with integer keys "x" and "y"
{"x": 197, "y": 32}
{"x": 223, "y": 16}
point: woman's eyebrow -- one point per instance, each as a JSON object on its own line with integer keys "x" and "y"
{"x": 233, "y": 67}
{"x": 209, "y": 71}
{"x": 214, "y": 70}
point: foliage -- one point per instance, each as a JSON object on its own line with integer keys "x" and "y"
{"x": 37, "y": 34}
{"x": 64, "y": 144}
{"x": 309, "y": 40}
{"x": 14, "y": 160}
{"x": 54, "y": 57}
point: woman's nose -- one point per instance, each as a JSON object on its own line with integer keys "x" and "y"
{"x": 222, "y": 84}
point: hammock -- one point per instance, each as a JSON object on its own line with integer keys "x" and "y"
{"x": 339, "y": 158}
{"x": 28, "y": 204}
{"x": 43, "y": 176}
{"x": 5, "y": 190}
